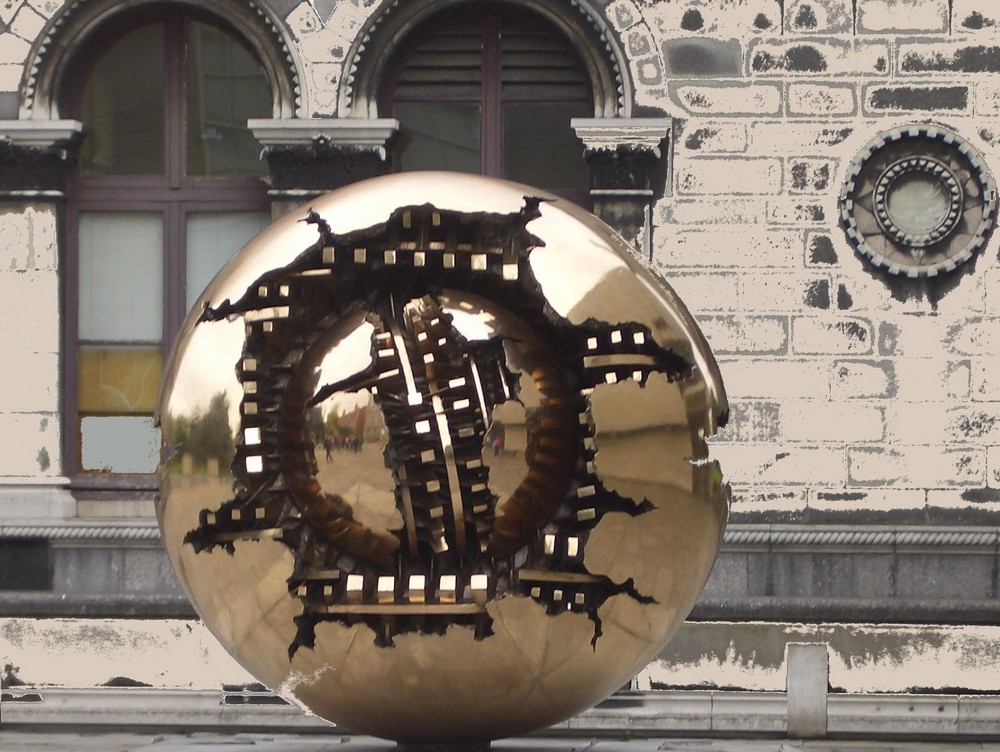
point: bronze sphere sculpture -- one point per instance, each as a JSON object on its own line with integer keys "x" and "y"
{"x": 434, "y": 460}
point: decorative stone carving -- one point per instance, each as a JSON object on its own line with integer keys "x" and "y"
{"x": 310, "y": 156}
{"x": 919, "y": 201}
{"x": 625, "y": 167}
{"x": 629, "y": 171}
{"x": 35, "y": 155}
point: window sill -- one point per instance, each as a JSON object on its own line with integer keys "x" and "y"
{"x": 114, "y": 486}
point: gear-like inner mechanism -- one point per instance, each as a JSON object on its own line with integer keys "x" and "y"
{"x": 453, "y": 407}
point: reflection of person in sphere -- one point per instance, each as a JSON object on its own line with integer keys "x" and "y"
{"x": 328, "y": 446}
{"x": 495, "y": 436}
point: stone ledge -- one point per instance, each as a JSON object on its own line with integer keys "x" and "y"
{"x": 825, "y": 537}
{"x": 812, "y": 610}
{"x": 148, "y": 707}
{"x": 96, "y": 605}
{"x": 636, "y": 714}
{"x": 81, "y": 530}
{"x": 811, "y": 538}
{"x": 733, "y": 608}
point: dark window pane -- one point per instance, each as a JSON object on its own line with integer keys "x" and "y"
{"x": 437, "y": 136}
{"x": 540, "y": 148}
{"x": 24, "y": 564}
{"x": 448, "y": 64}
{"x": 123, "y": 107}
{"x": 535, "y": 64}
{"x": 225, "y": 87}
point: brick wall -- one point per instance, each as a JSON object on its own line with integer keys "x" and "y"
{"x": 850, "y": 390}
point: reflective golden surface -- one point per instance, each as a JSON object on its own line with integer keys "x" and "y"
{"x": 434, "y": 459}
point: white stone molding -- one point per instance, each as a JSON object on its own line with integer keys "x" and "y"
{"x": 39, "y": 134}
{"x": 366, "y": 134}
{"x": 611, "y": 133}
{"x": 21, "y": 499}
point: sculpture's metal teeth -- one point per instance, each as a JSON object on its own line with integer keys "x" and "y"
{"x": 433, "y": 445}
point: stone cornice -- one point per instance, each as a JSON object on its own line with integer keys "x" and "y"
{"x": 610, "y": 134}
{"x": 34, "y": 157}
{"x": 349, "y": 133}
{"x": 40, "y": 134}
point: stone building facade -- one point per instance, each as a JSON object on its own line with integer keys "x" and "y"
{"x": 731, "y": 141}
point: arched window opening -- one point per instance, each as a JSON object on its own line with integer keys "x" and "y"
{"x": 491, "y": 89}
{"x": 168, "y": 186}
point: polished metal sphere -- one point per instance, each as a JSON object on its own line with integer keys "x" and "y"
{"x": 434, "y": 460}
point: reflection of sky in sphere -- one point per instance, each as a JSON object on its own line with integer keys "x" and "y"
{"x": 349, "y": 356}
{"x": 474, "y": 325}
{"x": 565, "y": 285}
{"x": 209, "y": 355}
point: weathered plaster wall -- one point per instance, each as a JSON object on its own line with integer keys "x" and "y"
{"x": 169, "y": 653}
{"x": 863, "y": 657}
{"x": 21, "y": 24}
{"x": 324, "y": 33}
{"x": 182, "y": 654}
{"x": 29, "y": 339}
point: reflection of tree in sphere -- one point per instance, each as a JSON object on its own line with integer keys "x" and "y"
{"x": 435, "y": 324}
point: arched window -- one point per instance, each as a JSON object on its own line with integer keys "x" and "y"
{"x": 491, "y": 88}
{"x": 168, "y": 186}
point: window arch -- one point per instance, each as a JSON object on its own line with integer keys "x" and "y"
{"x": 168, "y": 185}
{"x": 52, "y": 61}
{"x": 490, "y": 88}
{"x": 372, "y": 54}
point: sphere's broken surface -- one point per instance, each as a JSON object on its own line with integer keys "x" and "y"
{"x": 452, "y": 481}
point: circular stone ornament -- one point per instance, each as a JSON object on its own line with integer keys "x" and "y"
{"x": 434, "y": 459}
{"x": 918, "y": 201}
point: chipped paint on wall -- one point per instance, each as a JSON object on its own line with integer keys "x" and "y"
{"x": 863, "y": 657}
{"x": 79, "y": 653}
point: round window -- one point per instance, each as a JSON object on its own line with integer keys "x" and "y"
{"x": 918, "y": 201}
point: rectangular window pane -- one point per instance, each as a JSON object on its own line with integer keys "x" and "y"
{"x": 121, "y": 276}
{"x": 119, "y": 444}
{"x": 119, "y": 380}
{"x": 437, "y": 136}
{"x": 541, "y": 149}
{"x": 226, "y": 87}
{"x": 211, "y": 240}
{"x": 123, "y": 107}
